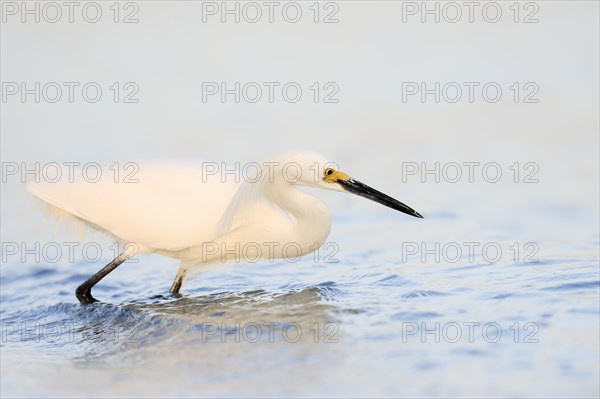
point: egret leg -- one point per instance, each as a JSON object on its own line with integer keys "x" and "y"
{"x": 84, "y": 291}
{"x": 178, "y": 281}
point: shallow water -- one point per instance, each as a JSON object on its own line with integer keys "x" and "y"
{"x": 370, "y": 324}
{"x": 495, "y": 293}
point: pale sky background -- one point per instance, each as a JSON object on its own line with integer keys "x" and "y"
{"x": 368, "y": 54}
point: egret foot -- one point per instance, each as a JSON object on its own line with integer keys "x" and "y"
{"x": 84, "y": 294}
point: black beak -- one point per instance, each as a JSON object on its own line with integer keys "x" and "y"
{"x": 358, "y": 188}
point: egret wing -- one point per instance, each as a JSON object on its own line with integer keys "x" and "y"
{"x": 166, "y": 205}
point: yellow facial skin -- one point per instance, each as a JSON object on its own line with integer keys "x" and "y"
{"x": 331, "y": 175}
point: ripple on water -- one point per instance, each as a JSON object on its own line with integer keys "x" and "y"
{"x": 396, "y": 280}
{"x": 91, "y": 330}
{"x": 578, "y": 286}
{"x": 415, "y": 316}
{"x": 497, "y": 295}
{"x": 421, "y": 294}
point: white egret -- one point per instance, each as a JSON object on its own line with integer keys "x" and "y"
{"x": 180, "y": 210}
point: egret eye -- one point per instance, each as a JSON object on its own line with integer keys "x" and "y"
{"x": 329, "y": 171}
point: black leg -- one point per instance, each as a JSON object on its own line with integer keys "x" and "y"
{"x": 84, "y": 291}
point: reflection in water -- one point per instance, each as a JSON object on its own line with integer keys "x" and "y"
{"x": 101, "y": 329}
{"x": 220, "y": 331}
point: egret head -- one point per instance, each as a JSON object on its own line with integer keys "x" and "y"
{"x": 313, "y": 170}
